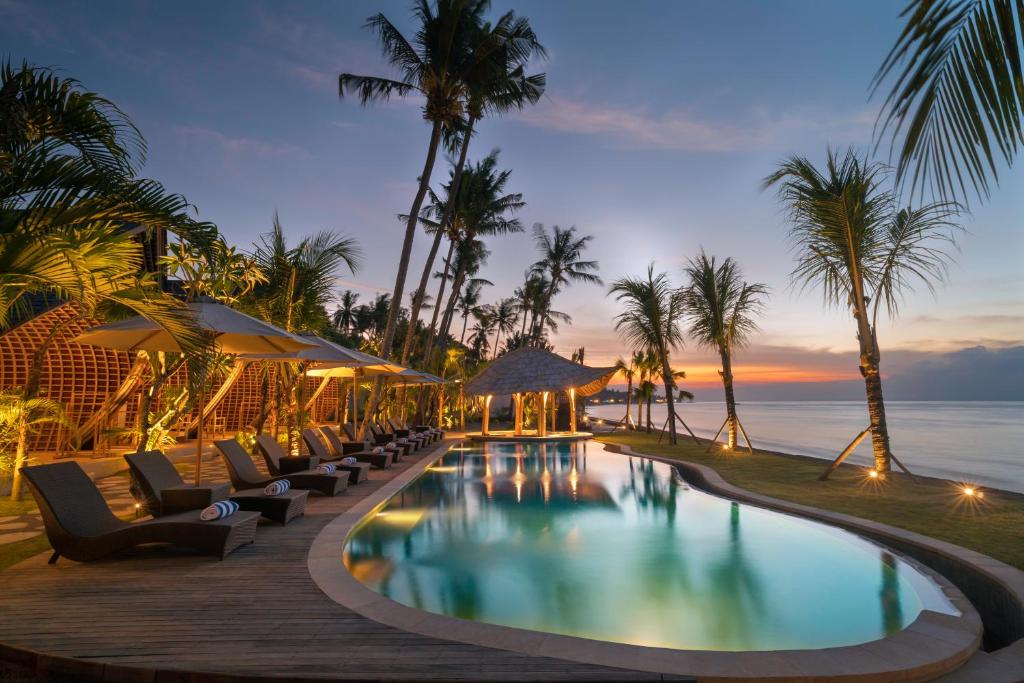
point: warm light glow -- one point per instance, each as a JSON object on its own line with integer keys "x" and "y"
{"x": 873, "y": 473}
{"x": 970, "y": 491}
{"x": 407, "y": 518}
{"x": 725, "y": 447}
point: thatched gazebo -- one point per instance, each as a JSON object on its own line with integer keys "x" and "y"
{"x": 541, "y": 373}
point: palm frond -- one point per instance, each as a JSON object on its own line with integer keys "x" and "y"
{"x": 957, "y": 97}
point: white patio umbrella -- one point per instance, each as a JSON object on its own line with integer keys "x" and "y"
{"x": 363, "y": 365}
{"x": 232, "y": 331}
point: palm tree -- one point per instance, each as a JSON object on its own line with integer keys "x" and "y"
{"x": 720, "y": 308}
{"x": 469, "y": 304}
{"x": 495, "y": 82}
{"x": 299, "y": 284}
{"x": 433, "y": 64}
{"x": 639, "y": 360}
{"x": 72, "y": 210}
{"x": 628, "y": 371}
{"x": 482, "y": 208}
{"x": 644, "y": 394}
{"x": 504, "y": 318}
{"x": 957, "y": 96}
{"x": 651, "y": 322}
{"x": 344, "y": 315}
{"x": 854, "y": 241}
{"x": 561, "y": 263}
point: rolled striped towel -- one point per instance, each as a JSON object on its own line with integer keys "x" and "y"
{"x": 349, "y": 461}
{"x": 392, "y": 444}
{"x": 403, "y": 441}
{"x": 276, "y": 488}
{"x": 219, "y": 510}
{"x": 378, "y": 449}
{"x": 325, "y": 468}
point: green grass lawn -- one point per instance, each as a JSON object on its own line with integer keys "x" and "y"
{"x": 993, "y": 525}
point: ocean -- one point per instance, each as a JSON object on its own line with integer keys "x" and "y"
{"x": 980, "y": 442}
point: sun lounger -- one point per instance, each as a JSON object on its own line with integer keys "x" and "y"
{"x": 434, "y": 432}
{"x": 377, "y": 440}
{"x": 164, "y": 492}
{"x": 360, "y": 451}
{"x": 408, "y": 446}
{"x": 244, "y": 474}
{"x": 81, "y": 527}
{"x": 423, "y": 438}
{"x": 358, "y": 471}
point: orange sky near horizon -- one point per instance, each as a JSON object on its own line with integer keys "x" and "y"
{"x": 704, "y": 376}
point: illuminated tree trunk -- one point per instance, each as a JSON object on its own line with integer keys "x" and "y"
{"x": 666, "y": 375}
{"x": 629, "y": 397}
{"x": 732, "y": 421}
{"x": 650, "y": 397}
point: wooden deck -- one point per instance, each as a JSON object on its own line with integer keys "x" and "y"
{"x": 257, "y": 613}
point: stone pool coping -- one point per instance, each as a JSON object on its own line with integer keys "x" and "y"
{"x": 933, "y": 644}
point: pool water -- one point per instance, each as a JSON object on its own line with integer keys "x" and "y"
{"x": 571, "y": 539}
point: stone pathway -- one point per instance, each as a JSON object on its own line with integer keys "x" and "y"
{"x": 115, "y": 489}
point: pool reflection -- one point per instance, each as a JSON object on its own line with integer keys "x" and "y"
{"x": 566, "y": 539}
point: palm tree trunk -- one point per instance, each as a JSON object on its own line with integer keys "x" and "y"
{"x": 494, "y": 351}
{"x": 403, "y": 265}
{"x": 465, "y": 321}
{"x": 417, "y": 301}
{"x": 666, "y": 376}
{"x": 730, "y": 398}
{"x": 428, "y": 348}
{"x": 629, "y": 399}
{"x": 876, "y": 411}
{"x": 650, "y": 397}
{"x": 639, "y": 414}
{"x": 449, "y": 314}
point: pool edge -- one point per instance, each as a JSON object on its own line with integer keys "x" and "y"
{"x": 932, "y": 645}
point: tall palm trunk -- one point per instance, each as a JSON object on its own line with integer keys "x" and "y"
{"x": 449, "y": 208}
{"x": 465, "y": 322}
{"x": 650, "y": 397}
{"x": 403, "y": 266}
{"x": 494, "y": 351}
{"x": 869, "y": 364}
{"x": 730, "y": 398}
{"x": 666, "y": 375}
{"x": 449, "y": 313}
{"x": 428, "y": 348}
{"x": 538, "y": 327}
{"x": 629, "y": 397}
{"x": 639, "y": 413}
{"x": 869, "y": 368}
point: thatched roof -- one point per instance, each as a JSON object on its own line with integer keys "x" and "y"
{"x": 531, "y": 370}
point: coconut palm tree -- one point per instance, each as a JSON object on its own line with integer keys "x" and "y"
{"x": 957, "y": 99}
{"x": 495, "y": 82}
{"x": 469, "y": 304}
{"x": 651, "y": 322}
{"x": 432, "y": 64}
{"x": 483, "y": 209}
{"x": 344, "y": 315}
{"x": 721, "y": 309}
{"x": 299, "y": 284}
{"x": 865, "y": 252}
{"x": 561, "y": 263}
{"x": 644, "y": 394}
{"x": 504, "y": 318}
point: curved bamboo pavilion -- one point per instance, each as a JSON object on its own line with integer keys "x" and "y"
{"x": 541, "y": 374}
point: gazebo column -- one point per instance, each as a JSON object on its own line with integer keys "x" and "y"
{"x": 518, "y": 398}
{"x": 484, "y": 426}
{"x": 572, "y": 410}
{"x": 542, "y": 415}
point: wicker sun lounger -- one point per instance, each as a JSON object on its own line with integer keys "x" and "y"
{"x": 164, "y": 492}
{"x": 368, "y": 444}
{"x": 382, "y": 436}
{"x": 244, "y": 474}
{"x": 424, "y": 438}
{"x": 359, "y": 471}
{"x": 376, "y": 440}
{"x": 81, "y": 527}
{"x": 337, "y": 449}
{"x": 435, "y": 433}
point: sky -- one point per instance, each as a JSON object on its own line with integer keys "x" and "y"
{"x": 659, "y": 123}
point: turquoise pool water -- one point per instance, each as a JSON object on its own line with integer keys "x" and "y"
{"x": 570, "y": 539}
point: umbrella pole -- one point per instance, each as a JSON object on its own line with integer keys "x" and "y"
{"x": 199, "y": 434}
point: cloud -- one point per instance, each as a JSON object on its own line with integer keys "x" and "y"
{"x": 973, "y": 374}
{"x": 239, "y": 148}
{"x": 33, "y": 20}
{"x": 639, "y": 127}
{"x": 633, "y": 126}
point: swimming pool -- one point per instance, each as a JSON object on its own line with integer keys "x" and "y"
{"x": 570, "y": 539}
